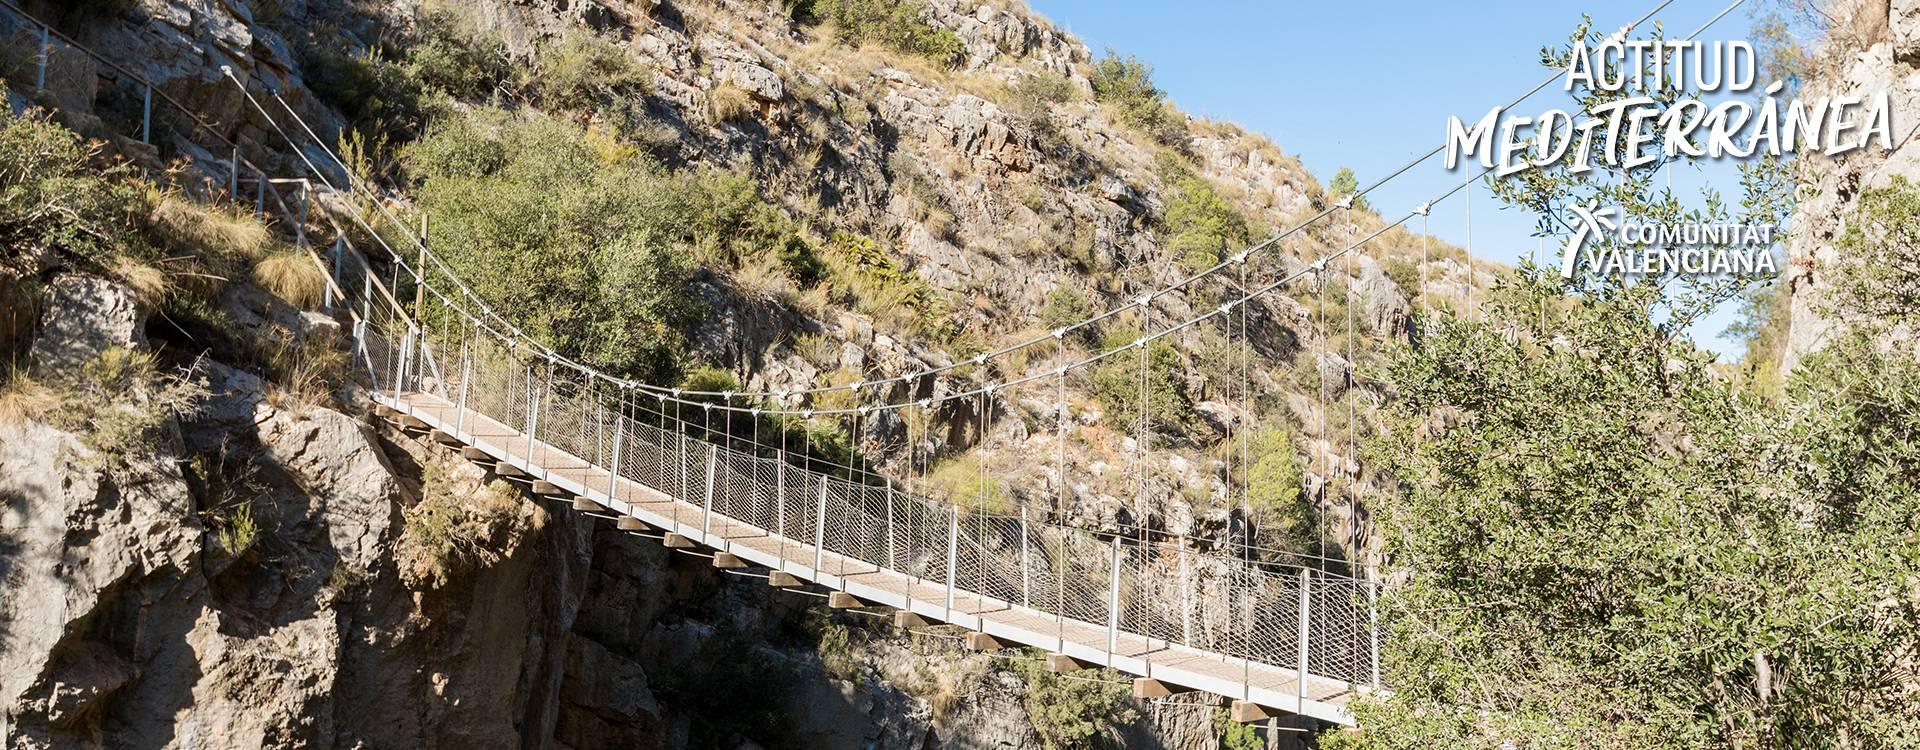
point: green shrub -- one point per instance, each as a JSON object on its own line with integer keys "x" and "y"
{"x": 898, "y": 24}
{"x": 1344, "y": 184}
{"x": 1405, "y": 274}
{"x": 451, "y": 54}
{"x": 379, "y": 95}
{"x": 1116, "y": 384}
{"x": 1274, "y": 493}
{"x": 584, "y": 250}
{"x": 1065, "y": 306}
{"x": 1081, "y": 710}
{"x": 1033, "y": 98}
{"x": 56, "y": 197}
{"x": 586, "y": 72}
{"x": 961, "y": 481}
{"x": 1126, "y": 84}
{"x": 866, "y": 276}
{"x": 1202, "y": 228}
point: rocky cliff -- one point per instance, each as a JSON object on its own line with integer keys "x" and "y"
{"x": 383, "y": 593}
{"x": 1885, "y": 57}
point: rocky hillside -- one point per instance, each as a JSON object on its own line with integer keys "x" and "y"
{"x": 208, "y": 543}
{"x": 1882, "y": 54}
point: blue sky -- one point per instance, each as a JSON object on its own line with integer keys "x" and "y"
{"x": 1369, "y": 85}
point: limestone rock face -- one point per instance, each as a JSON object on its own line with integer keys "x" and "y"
{"x": 85, "y": 316}
{"x": 79, "y": 538}
{"x": 1820, "y": 214}
{"x": 335, "y": 459}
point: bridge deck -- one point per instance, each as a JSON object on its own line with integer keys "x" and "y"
{"x": 1262, "y": 684}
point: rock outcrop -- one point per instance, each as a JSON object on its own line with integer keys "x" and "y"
{"x": 1819, "y": 216}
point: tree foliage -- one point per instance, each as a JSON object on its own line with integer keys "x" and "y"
{"x": 1070, "y": 712}
{"x": 1606, "y": 545}
{"x": 1274, "y": 492}
{"x": 1126, "y": 84}
{"x": 1344, "y": 184}
{"x": 1203, "y": 227}
{"x": 899, "y": 24}
{"x": 1118, "y": 385}
{"x": 588, "y": 252}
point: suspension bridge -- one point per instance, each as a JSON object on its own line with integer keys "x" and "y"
{"x": 1275, "y": 634}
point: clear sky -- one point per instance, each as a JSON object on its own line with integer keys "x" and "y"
{"x": 1370, "y": 84}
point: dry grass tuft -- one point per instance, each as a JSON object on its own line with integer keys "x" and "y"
{"x": 293, "y": 277}
{"x": 302, "y": 376}
{"x": 727, "y": 102}
{"x": 209, "y": 232}
{"x": 24, "y": 399}
{"x": 150, "y": 285}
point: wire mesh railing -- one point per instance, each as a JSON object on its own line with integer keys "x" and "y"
{"x": 1318, "y": 622}
{"x": 1162, "y": 595}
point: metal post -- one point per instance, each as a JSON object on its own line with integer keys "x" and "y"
{"x": 466, "y": 378}
{"x": 953, "y": 557}
{"x": 533, "y": 411}
{"x": 706, "y": 511}
{"x": 820, "y": 528}
{"x": 260, "y": 194}
{"x": 46, "y": 51}
{"x": 233, "y": 175}
{"x": 400, "y": 362}
{"x": 333, "y": 274}
{"x": 1026, "y": 563}
{"x": 300, "y": 227}
{"x": 366, "y": 293}
{"x": 1373, "y": 626}
{"x": 780, "y": 500}
{"x": 420, "y": 273}
{"x": 1186, "y": 597}
{"x": 892, "y": 560}
{"x": 146, "y": 117}
{"x": 1306, "y": 585}
{"x": 1113, "y": 603}
{"x": 619, "y": 440}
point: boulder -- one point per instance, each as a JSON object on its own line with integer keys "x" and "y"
{"x": 605, "y": 701}
{"x": 336, "y": 459}
{"x": 85, "y": 316}
{"x": 1904, "y": 23}
{"x": 1336, "y": 374}
{"x": 1382, "y": 305}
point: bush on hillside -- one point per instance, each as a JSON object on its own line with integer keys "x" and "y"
{"x": 1126, "y": 84}
{"x": 585, "y": 250}
{"x": 1117, "y": 385}
{"x": 451, "y": 54}
{"x": 1203, "y": 228}
{"x": 899, "y": 24}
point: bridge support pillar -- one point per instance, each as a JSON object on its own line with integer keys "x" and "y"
{"x": 983, "y": 642}
{"x": 1062, "y": 663}
{"x": 842, "y": 600}
{"x": 904, "y": 619}
{"x": 591, "y": 508}
{"x": 1247, "y": 712}
{"x": 781, "y": 579}
{"x": 1147, "y": 687}
{"x": 676, "y": 541}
